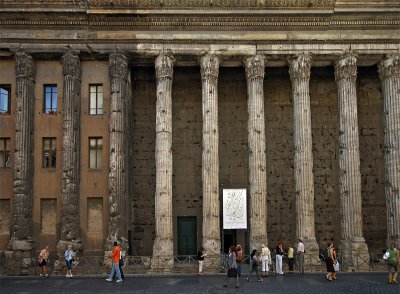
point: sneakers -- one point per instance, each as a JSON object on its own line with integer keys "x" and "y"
{"x": 118, "y": 281}
{"x": 260, "y": 280}
{"x": 225, "y": 285}
{"x": 108, "y": 280}
{"x": 247, "y": 279}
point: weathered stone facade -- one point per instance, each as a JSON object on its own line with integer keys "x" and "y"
{"x": 282, "y": 98}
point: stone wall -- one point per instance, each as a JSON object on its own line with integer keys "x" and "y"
{"x": 187, "y": 195}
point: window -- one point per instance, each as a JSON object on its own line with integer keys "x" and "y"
{"x": 96, "y": 99}
{"x": 5, "y": 100}
{"x": 49, "y": 152}
{"x": 5, "y": 153}
{"x": 50, "y": 99}
{"x": 95, "y": 153}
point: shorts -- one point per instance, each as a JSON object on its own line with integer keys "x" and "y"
{"x": 69, "y": 264}
{"x": 392, "y": 266}
{"x": 43, "y": 263}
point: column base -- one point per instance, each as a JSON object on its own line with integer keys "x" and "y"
{"x": 163, "y": 264}
{"x": 59, "y": 263}
{"x": 354, "y": 255}
{"x": 311, "y": 255}
{"x": 18, "y": 259}
{"x": 390, "y": 240}
{"x": 212, "y": 263}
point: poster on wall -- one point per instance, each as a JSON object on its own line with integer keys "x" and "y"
{"x": 234, "y": 209}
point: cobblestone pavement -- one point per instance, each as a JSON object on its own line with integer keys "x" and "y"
{"x": 308, "y": 283}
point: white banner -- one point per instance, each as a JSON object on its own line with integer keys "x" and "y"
{"x": 234, "y": 209}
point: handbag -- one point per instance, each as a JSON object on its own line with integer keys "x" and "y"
{"x": 121, "y": 262}
{"x": 336, "y": 266}
{"x": 232, "y": 272}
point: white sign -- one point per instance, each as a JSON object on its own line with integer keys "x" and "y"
{"x": 234, "y": 209}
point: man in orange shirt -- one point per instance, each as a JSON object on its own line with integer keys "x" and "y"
{"x": 115, "y": 265}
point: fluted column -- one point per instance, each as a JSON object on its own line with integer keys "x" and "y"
{"x": 303, "y": 158}
{"x": 255, "y": 68}
{"x": 389, "y": 72}
{"x": 70, "y": 221}
{"x": 209, "y": 67}
{"x": 352, "y": 240}
{"x": 117, "y": 179}
{"x": 70, "y": 196}
{"x": 22, "y": 226}
{"x": 163, "y": 243}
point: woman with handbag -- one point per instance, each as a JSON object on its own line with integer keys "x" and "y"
{"x": 392, "y": 263}
{"x": 232, "y": 267}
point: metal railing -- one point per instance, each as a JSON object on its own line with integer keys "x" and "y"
{"x": 188, "y": 264}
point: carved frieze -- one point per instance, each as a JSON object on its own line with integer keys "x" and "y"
{"x": 211, "y": 3}
{"x": 209, "y": 66}
{"x": 164, "y": 66}
{"x": 255, "y": 67}
{"x": 300, "y": 66}
{"x": 118, "y": 64}
{"x": 24, "y": 66}
{"x": 389, "y": 66}
{"x": 346, "y": 66}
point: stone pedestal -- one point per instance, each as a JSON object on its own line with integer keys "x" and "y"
{"x": 19, "y": 257}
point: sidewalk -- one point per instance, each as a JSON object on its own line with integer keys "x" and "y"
{"x": 213, "y": 283}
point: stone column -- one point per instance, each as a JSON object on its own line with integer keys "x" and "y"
{"x": 389, "y": 72}
{"x": 299, "y": 69}
{"x": 352, "y": 245}
{"x": 163, "y": 248}
{"x": 209, "y": 67}
{"x": 21, "y": 243}
{"x": 70, "y": 196}
{"x": 117, "y": 180}
{"x": 255, "y": 68}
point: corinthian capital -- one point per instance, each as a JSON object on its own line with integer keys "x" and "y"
{"x": 24, "y": 66}
{"x": 71, "y": 65}
{"x": 118, "y": 64}
{"x": 299, "y": 67}
{"x": 389, "y": 66}
{"x": 346, "y": 66}
{"x": 164, "y": 66}
{"x": 209, "y": 66}
{"x": 255, "y": 67}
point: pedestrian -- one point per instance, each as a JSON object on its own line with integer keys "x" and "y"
{"x": 115, "y": 263}
{"x": 43, "y": 260}
{"x": 232, "y": 267}
{"x": 335, "y": 261}
{"x": 254, "y": 264}
{"x": 279, "y": 255}
{"x": 329, "y": 262}
{"x": 290, "y": 255}
{"x": 69, "y": 256}
{"x": 200, "y": 257}
{"x": 300, "y": 255}
{"x": 120, "y": 264}
{"x": 265, "y": 260}
{"x": 393, "y": 263}
{"x": 239, "y": 259}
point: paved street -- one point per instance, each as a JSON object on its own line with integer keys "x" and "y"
{"x": 309, "y": 283}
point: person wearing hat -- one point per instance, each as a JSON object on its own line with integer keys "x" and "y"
{"x": 300, "y": 255}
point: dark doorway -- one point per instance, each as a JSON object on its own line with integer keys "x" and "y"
{"x": 229, "y": 239}
{"x": 187, "y": 235}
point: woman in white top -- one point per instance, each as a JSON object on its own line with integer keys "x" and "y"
{"x": 265, "y": 260}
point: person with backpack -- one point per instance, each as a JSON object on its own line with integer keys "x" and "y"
{"x": 392, "y": 263}
{"x": 254, "y": 264}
